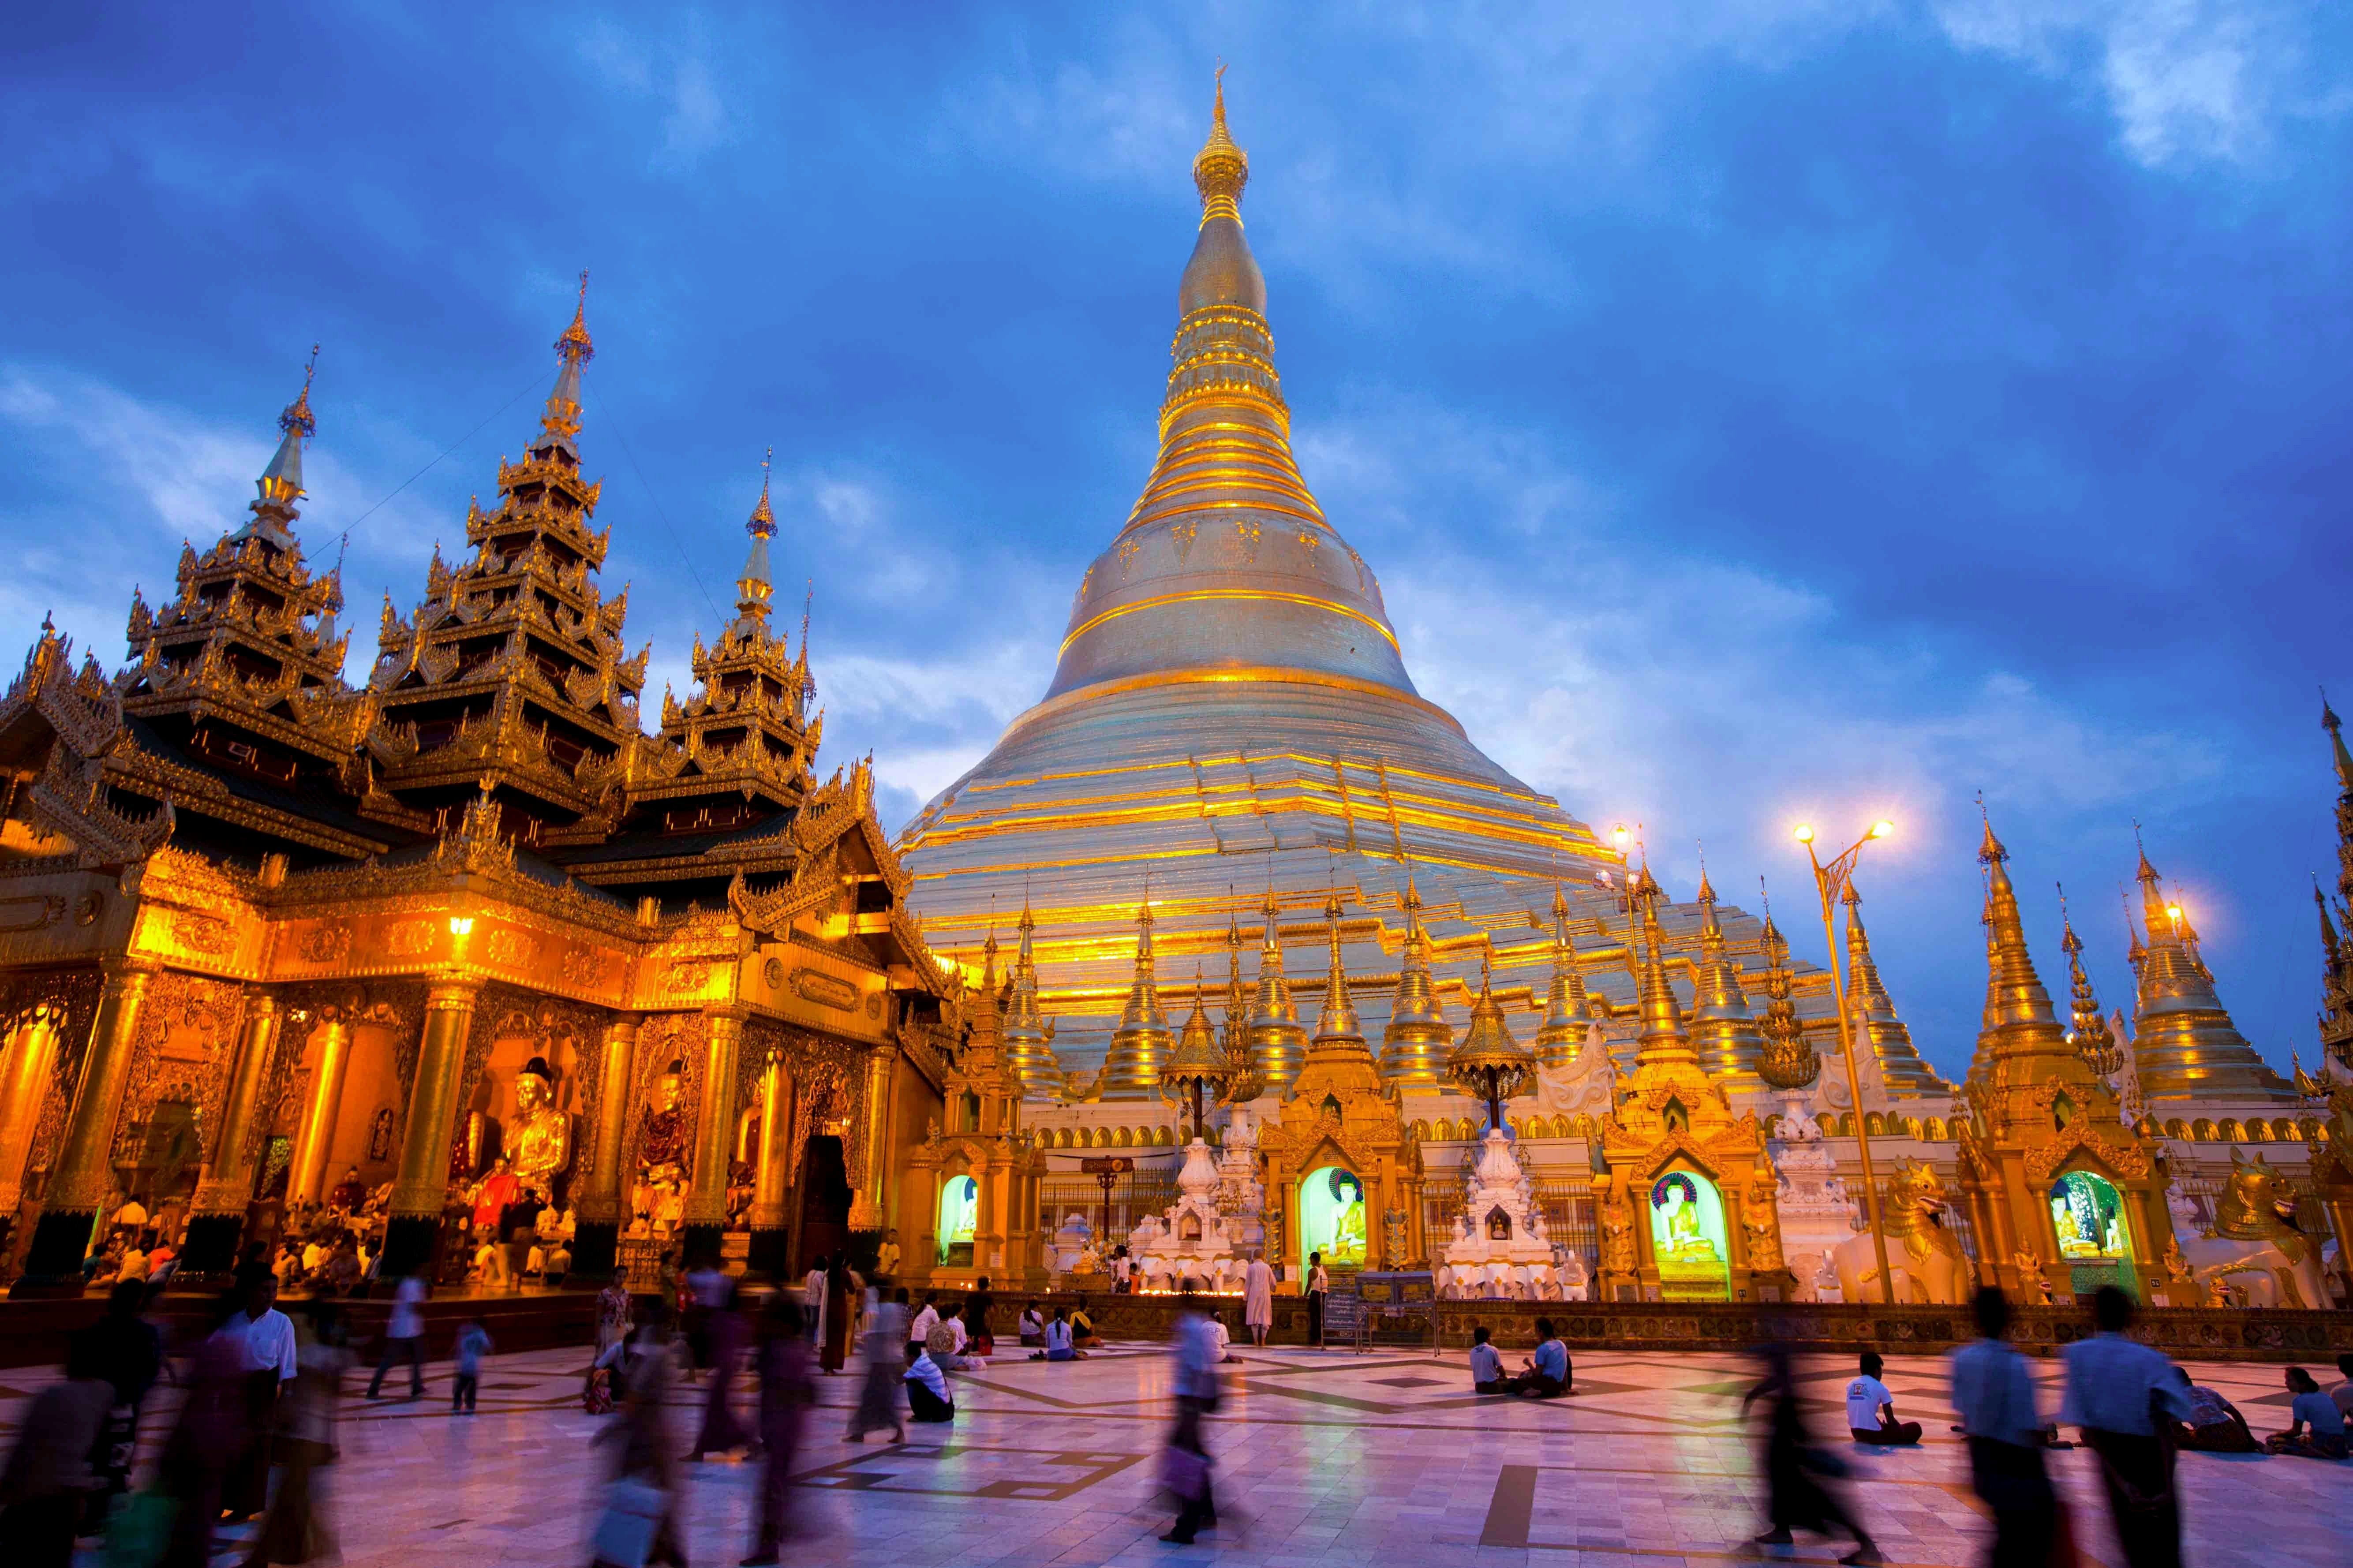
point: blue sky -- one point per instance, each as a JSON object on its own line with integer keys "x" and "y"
{"x": 1754, "y": 411}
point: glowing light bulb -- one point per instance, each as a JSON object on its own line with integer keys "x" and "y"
{"x": 1881, "y": 828}
{"x": 2173, "y": 913}
{"x": 1805, "y": 834}
{"x": 461, "y": 925}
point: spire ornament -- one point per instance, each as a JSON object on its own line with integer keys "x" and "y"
{"x": 1277, "y": 1041}
{"x": 1567, "y": 1010}
{"x": 1132, "y": 1068}
{"x": 1196, "y": 1070}
{"x": 2093, "y": 1039}
{"x": 1489, "y": 1063}
{"x": 1787, "y": 1061}
{"x": 1724, "y": 1031}
{"x": 1415, "y": 1043}
{"x": 1220, "y": 169}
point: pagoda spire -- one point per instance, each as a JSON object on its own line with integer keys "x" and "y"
{"x": 1414, "y": 1045}
{"x": 2093, "y": 1039}
{"x": 1028, "y": 1051}
{"x": 1337, "y": 1027}
{"x": 1567, "y": 1009}
{"x": 281, "y": 485}
{"x": 2019, "y": 1027}
{"x": 1234, "y": 1036}
{"x": 1724, "y": 1031}
{"x": 2336, "y": 960}
{"x": 1875, "y": 1018}
{"x": 2335, "y": 726}
{"x": 1132, "y": 1068}
{"x": 559, "y": 422}
{"x": 755, "y": 587}
{"x": 1787, "y": 1061}
{"x": 2184, "y": 1042}
{"x": 1662, "y": 1042}
{"x": 1276, "y": 1039}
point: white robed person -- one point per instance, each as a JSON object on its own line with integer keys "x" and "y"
{"x": 1258, "y": 1300}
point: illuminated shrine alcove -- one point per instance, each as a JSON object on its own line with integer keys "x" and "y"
{"x": 959, "y": 1214}
{"x": 1332, "y": 1217}
{"x": 1687, "y": 1238}
{"x": 2094, "y": 1230}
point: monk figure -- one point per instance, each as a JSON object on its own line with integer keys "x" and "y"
{"x": 539, "y": 1144}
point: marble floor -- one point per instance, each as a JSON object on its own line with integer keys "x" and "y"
{"x": 1366, "y": 1460}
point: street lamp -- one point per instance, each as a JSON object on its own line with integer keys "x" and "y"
{"x": 1831, "y": 881}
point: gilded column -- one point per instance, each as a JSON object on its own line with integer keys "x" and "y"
{"x": 771, "y": 1217}
{"x": 84, "y": 1177}
{"x": 714, "y": 1133}
{"x": 871, "y": 1197}
{"x": 421, "y": 1182}
{"x": 24, "y": 1086}
{"x": 315, "y": 1139}
{"x": 216, "y": 1216}
{"x": 596, "y": 1239}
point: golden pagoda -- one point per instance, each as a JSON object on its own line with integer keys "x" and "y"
{"x": 1874, "y": 1015}
{"x": 1724, "y": 1031}
{"x": 2064, "y": 1194}
{"x": 1132, "y": 1071}
{"x": 1560, "y": 1034}
{"x": 2184, "y": 1045}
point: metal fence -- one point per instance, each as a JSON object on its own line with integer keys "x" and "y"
{"x": 1566, "y": 1203}
{"x": 1133, "y": 1195}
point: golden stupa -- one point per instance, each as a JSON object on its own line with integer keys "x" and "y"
{"x": 1231, "y": 712}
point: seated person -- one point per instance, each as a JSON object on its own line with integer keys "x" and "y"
{"x": 1082, "y": 1328}
{"x": 2342, "y": 1394}
{"x": 1547, "y": 1376}
{"x": 1871, "y": 1408}
{"x": 1224, "y": 1337}
{"x": 927, "y": 1389}
{"x": 1486, "y": 1365}
{"x": 1032, "y": 1326}
{"x": 959, "y": 1337}
{"x": 919, "y": 1332}
{"x": 2315, "y": 1429}
{"x": 2215, "y": 1426}
{"x": 559, "y": 1262}
{"x": 1057, "y": 1339}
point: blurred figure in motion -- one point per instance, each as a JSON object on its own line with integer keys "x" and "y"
{"x": 126, "y": 1350}
{"x": 210, "y": 1437}
{"x": 723, "y": 1345}
{"x": 1794, "y": 1466}
{"x": 49, "y": 1474}
{"x": 640, "y": 1523}
{"x": 270, "y": 1365}
{"x": 1994, "y": 1394}
{"x": 878, "y": 1399}
{"x": 785, "y": 1392}
{"x": 2125, "y": 1399}
{"x": 295, "y": 1528}
{"x": 1185, "y": 1467}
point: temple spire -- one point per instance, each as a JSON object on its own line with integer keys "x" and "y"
{"x": 1132, "y": 1068}
{"x": 2019, "y": 1028}
{"x": 1566, "y": 1008}
{"x": 1337, "y": 1027}
{"x": 559, "y": 423}
{"x": 2184, "y": 1042}
{"x": 1415, "y": 1044}
{"x": 2330, "y": 722}
{"x": 1276, "y": 1039}
{"x": 2094, "y": 1041}
{"x": 1662, "y": 1042}
{"x": 1724, "y": 1031}
{"x": 1873, "y": 1012}
{"x": 754, "y": 588}
{"x": 1787, "y": 1061}
{"x": 1220, "y": 169}
{"x": 281, "y": 485}
{"x": 1028, "y": 1051}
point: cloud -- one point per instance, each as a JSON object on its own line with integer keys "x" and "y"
{"x": 2187, "y": 80}
{"x": 674, "y": 76}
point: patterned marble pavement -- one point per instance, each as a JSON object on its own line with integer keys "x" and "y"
{"x": 1385, "y": 1460}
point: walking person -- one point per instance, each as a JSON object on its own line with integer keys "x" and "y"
{"x": 2125, "y": 1399}
{"x": 209, "y": 1437}
{"x": 1185, "y": 1467}
{"x": 813, "y": 1301}
{"x": 1994, "y": 1394}
{"x": 1319, "y": 1286}
{"x": 640, "y": 1523}
{"x": 1258, "y": 1300}
{"x": 404, "y": 1336}
{"x": 786, "y": 1391}
{"x": 1796, "y": 1498}
{"x": 48, "y": 1472}
{"x": 722, "y": 1343}
{"x": 473, "y": 1344}
{"x": 270, "y": 1366}
{"x": 295, "y": 1530}
{"x": 126, "y": 1350}
{"x": 877, "y": 1397}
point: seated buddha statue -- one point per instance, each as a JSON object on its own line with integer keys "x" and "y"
{"x": 539, "y": 1139}
{"x": 662, "y": 1151}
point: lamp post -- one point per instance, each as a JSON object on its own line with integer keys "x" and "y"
{"x": 1830, "y": 881}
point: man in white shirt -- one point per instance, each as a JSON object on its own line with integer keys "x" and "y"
{"x": 1871, "y": 1408}
{"x": 886, "y": 1258}
{"x": 919, "y": 1331}
{"x": 268, "y": 1336}
{"x": 2115, "y": 1391}
{"x": 404, "y": 1337}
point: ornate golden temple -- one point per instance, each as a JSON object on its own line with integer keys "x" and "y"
{"x": 471, "y": 938}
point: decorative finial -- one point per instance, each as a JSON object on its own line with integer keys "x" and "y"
{"x": 573, "y": 345}
{"x": 1220, "y": 169}
{"x": 2328, "y": 720}
{"x": 763, "y": 523}
{"x": 297, "y": 418}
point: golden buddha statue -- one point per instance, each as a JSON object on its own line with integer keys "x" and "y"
{"x": 539, "y": 1144}
{"x": 662, "y": 1151}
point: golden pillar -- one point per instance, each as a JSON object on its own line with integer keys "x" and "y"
{"x": 714, "y": 1129}
{"x": 84, "y": 1178}
{"x": 216, "y": 1216}
{"x": 24, "y": 1088}
{"x": 871, "y": 1197}
{"x": 771, "y": 1217}
{"x": 315, "y": 1139}
{"x": 421, "y": 1182}
{"x": 604, "y": 1184}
